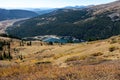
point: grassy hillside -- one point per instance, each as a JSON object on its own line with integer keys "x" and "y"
{"x": 88, "y": 61}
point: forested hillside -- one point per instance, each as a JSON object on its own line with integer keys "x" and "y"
{"x": 97, "y": 22}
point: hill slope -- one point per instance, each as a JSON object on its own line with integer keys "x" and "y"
{"x": 7, "y": 23}
{"x": 15, "y": 14}
{"x": 91, "y": 23}
{"x": 98, "y": 60}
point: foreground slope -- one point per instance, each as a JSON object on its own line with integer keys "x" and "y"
{"x": 96, "y": 22}
{"x": 41, "y": 61}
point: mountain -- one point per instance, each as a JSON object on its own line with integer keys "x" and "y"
{"x": 91, "y": 23}
{"x": 15, "y": 14}
{"x": 42, "y": 11}
{"x": 77, "y": 7}
{"x": 74, "y": 7}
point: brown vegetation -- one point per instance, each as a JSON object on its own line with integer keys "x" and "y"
{"x": 108, "y": 71}
{"x": 85, "y": 61}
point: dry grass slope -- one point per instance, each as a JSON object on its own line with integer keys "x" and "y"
{"x": 97, "y": 60}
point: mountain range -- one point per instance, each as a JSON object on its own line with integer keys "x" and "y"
{"x": 90, "y": 23}
{"x": 42, "y": 11}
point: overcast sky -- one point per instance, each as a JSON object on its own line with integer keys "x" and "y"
{"x": 48, "y": 3}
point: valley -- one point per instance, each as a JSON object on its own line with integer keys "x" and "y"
{"x": 90, "y": 23}
{"x": 7, "y": 23}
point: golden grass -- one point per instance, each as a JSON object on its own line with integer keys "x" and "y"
{"x": 90, "y": 61}
{"x": 76, "y": 58}
{"x": 108, "y": 71}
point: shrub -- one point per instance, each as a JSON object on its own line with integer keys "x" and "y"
{"x": 5, "y": 56}
{"x": 1, "y": 57}
{"x": 44, "y": 62}
{"x": 97, "y": 54}
{"x": 113, "y": 48}
{"x": 50, "y": 43}
{"x": 29, "y": 43}
{"x": 21, "y": 57}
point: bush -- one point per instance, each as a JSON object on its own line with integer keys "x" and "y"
{"x": 21, "y": 57}
{"x": 46, "y": 62}
{"x": 113, "y": 48}
{"x": 1, "y": 57}
{"x": 50, "y": 43}
{"x": 97, "y": 54}
{"x": 5, "y": 56}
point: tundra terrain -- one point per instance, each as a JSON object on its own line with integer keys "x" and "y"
{"x": 36, "y": 60}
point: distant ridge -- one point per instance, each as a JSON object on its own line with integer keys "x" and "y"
{"x": 15, "y": 14}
